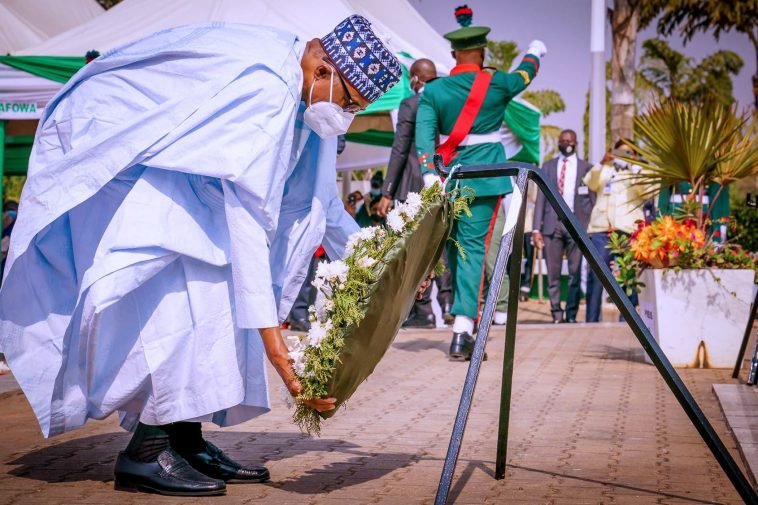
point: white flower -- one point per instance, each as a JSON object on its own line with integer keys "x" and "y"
{"x": 298, "y": 358}
{"x": 413, "y": 199}
{"x": 318, "y": 332}
{"x": 395, "y": 220}
{"x": 322, "y": 306}
{"x": 367, "y": 262}
{"x": 410, "y": 213}
{"x": 332, "y": 271}
{"x": 411, "y": 207}
{"x": 318, "y": 283}
{"x": 340, "y": 270}
{"x": 369, "y": 233}
{"x": 294, "y": 342}
{"x": 352, "y": 242}
{"x": 362, "y": 235}
{"x": 322, "y": 271}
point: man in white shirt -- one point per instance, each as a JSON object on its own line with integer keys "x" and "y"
{"x": 567, "y": 171}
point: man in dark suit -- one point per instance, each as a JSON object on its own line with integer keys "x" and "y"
{"x": 567, "y": 172}
{"x": 403, "y": 177}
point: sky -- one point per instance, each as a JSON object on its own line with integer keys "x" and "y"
{"x": 564, "y": 27}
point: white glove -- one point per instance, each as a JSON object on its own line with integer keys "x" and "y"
{"x": 430, "y": 179}
{"x": 537, "y": 47}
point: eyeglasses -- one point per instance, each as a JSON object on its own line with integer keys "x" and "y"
{"x": 352, "y": 106}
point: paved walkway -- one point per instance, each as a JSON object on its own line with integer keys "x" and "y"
{"x": 591, "y": 423}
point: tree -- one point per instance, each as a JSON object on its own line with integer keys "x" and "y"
{"x": 626, "y": 17}
{"x": 608, "y": 112}
{"x": 670, "y": 74}
{"x": 500, "y": 55}
{"x": 692, "y": 16}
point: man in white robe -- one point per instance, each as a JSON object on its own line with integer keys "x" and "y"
{"x": 177, "y": 189}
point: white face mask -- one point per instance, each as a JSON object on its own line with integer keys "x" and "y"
{"x": 621, "y": 164}
{"x": 327, "y": 119}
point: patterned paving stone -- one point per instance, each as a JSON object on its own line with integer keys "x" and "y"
{"x": 590, "y": 423}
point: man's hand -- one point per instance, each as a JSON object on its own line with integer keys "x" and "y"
{"x": 319, "y": 404}
{"x": 384, "y": 206}
{"x": 538, "y": 48}
{"x": 278, "y": 355}
{"x": 539, "y": 241}
{"x": 424, "y": 286}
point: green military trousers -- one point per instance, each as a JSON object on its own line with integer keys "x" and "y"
{"x": 472, "y": 233}
{"x": 489, "y": 264}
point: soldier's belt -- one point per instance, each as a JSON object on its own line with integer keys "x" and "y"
{"x": 477, "y": 138}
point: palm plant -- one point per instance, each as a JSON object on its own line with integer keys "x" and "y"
{"x": 742, "y": 159}
{"x": 697, "y": 144}
{"x": 668, "y": 73}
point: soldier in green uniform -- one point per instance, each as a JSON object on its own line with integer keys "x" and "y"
{"x": 466, "y": 110}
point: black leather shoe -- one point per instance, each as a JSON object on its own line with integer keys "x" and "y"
{"x": 461, "y": 346}
{"x": 419, "y": 321}
{"x": 214, "y": 463}
{"x": 447, "y": 316}
{"x": 169, "y": 475}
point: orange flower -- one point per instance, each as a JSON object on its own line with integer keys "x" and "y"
{"x": 664, "y": 240}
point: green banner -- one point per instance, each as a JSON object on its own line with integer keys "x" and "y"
{"x": 55, "y": 68}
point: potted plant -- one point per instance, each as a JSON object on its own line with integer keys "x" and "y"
{"x": 695, "y": 286}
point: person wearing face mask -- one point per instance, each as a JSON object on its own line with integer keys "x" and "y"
{"x": 465, "y": 111}
{"x": 403, "y": 173}
{"x": 403, "y": 177}
{"x": 618, "y": 208}
{"x": 178, "y": 188}
{"x": 568, "y": 172}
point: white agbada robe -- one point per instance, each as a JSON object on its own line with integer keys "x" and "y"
{"x": 173, "y": 202}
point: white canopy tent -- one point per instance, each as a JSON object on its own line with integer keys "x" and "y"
{"x": 397, "y": 22}
{"x": 26, "y": 23}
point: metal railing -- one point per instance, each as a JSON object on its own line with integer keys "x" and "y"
{"x": 753, "y": 369}
{"x": 511, "y": 246}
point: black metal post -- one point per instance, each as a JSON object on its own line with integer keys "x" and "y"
{"x": 662, "y": 364}
{"x": 510, "y": 332}
{"x": 477, "y": 355}
{"x": 746, "y": 339}
{"x": 753, "y": 371}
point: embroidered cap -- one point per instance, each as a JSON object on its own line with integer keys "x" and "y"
{"x": 361, "y": 57}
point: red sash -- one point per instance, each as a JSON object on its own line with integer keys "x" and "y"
{"x": 468, "y": 114}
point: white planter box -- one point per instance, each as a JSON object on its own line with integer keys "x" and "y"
{"x": 698, "y": 321}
